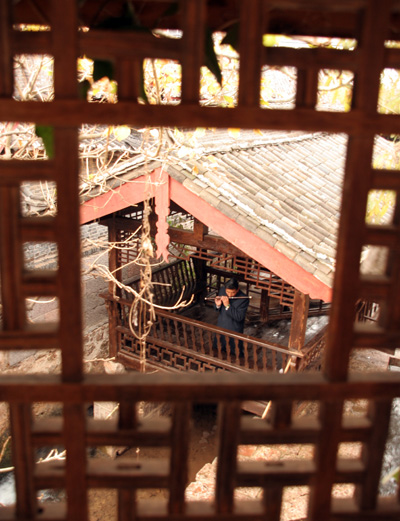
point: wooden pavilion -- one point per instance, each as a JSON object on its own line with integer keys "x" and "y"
{"x": 233, "y": 216}
{"x": 374, "y": 25}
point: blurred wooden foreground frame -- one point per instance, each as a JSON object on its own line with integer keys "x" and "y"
{"x": 370, "y": 22}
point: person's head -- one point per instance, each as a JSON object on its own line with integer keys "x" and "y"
{"x": 231, "y": 287}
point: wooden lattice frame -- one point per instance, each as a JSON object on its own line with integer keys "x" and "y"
{"x": 373, "y": 22}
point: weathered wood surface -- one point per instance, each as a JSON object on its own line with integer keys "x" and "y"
{"x": 370, "y": 22}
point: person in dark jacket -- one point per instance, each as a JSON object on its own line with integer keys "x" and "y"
{"x": 232, "y": 312}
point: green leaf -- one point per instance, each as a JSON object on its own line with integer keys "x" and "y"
{"x": 232, "y": 37}
{"x": 102, "y": 68}
{"x": 211, "y": 60}
{"x": 47, "y": 135}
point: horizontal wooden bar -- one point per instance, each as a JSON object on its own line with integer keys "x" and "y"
{"x": 40, "y": 283}
{"x": 147, "y": 434}
{"x": 372, "y": 335}
{"x": 128, "y": 473}
{"x": 33, "y": 336}
{"x": 386, "y": 180}
{"x": 258, "y": 432}
{"x": 385, "y": 235}
{"x": 316, "y": 58}
{"x": 135, "y": 45}
{"x": 50, "y": 474}
{"x": 37, "y": 229}
{"x": 32, "y": 42}
{"x": 72, "y": 113}
{"x": 346, "y": 509}
{"x": 286, "y": 472}
{"x": 374, "y": 287}
{"x": 14, "y": 171}
{"x": 198, "y": 387}
{"x": 47, "y": 432}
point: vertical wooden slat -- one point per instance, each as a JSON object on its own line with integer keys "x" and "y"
{"x": 10, "y": 259}
{"x": 330, "y": 416}
{"x": 179, "y": 458}
{"x": 193, "y": 21}
{"x": 127, "y": 419}
{"x": 272, "y": 500}
{"x": 128, "y": 76}
{"x": 23, "y": 459}
{"x": 357, "y": 182}
{"x": 75, "y": 466}
{"x": 6, "y": 56}
{"x": 65, "y": 23}
{"x": 69, "y": 275}
{"x": 392, "y": 311}
{"x": 307, "y": 88}
{"x": 373, "y": 451}
{"x": 355, "y": 192}
{"x": 228, "y": 436}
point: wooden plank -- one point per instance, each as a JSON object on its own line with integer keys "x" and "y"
{"x": 325, "y": 458}
{"x": 252, "y": 21}
{"x": 69, "y": 277}
{"x": 129, "y": 45}
{"x": 193, "y": 42}
{"x": 6, "y": 56}
{"x": 11, "y": 260}
{"x": 37, "y": 229}
{"x": 342, "y": 314}
{"x": 229, "y": 424}
{"x": 74, "y": 433}
{"x": 68, "y": 112}
{"x": 372, "y": 453}
{"x": 23, "y": 460}
{"x": 179, "y": 462}
{"x": 15, "y": 171}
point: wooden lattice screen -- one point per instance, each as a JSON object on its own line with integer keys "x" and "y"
{"x": 370, "y": 22}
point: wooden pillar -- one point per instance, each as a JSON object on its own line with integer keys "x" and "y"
{"x": 200, "y": 265}
{"x": 264, "y": 306}
{"x": 113, "y": 289}
{"x": 299, "y": 321}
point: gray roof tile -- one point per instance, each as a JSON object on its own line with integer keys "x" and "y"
{"x": 284, "y": 187}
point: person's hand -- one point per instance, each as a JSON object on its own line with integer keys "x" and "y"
{"x": 225, "y": 301}
{"x": 218, "y": 301}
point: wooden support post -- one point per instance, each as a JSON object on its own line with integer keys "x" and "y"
{"x": 200, "y": 268}
{"x": 299, "y": 320}
{"x": 264, "y": 306}
{"x": 199, "y": 230}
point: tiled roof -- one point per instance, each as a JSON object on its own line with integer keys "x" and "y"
{"x": 285, "y": 188}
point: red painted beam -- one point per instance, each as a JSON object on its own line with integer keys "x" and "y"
{"x": 137, "y": 190}
{"x": 249, "y": 243}
{"x": 130, "y": 193}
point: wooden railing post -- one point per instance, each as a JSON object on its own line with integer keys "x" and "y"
{"x": 299, "y": 322}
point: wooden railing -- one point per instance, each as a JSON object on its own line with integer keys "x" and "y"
{"x": 312, "y": 352}
{"x": 181, "y": 344}
{"x": 170, "y": 282}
